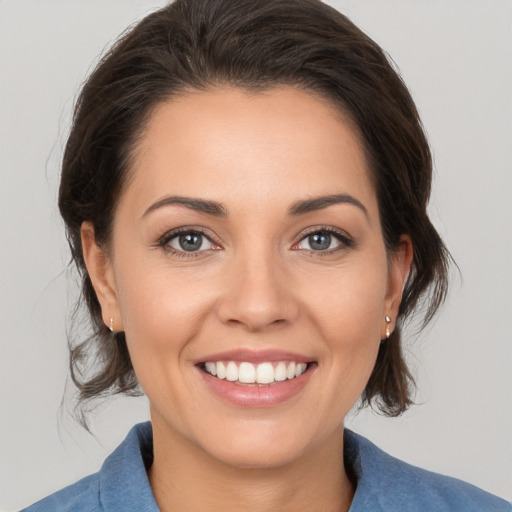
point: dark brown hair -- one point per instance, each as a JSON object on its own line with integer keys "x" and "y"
{"x": 201, "y": 44}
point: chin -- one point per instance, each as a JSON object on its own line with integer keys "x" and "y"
{"x": 262, "y": 455}
{"x": 262, "y": 446}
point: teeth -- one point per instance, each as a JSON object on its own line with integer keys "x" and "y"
{"x": 221, "y": 370}
{"x": 300, "y": 368}
{"x": 265, "y": 373}
{"x": 211, "y": 368}
{"x": 248, "y": 373}
{"x": 280, "y": 372}
{"x": 290, "y": 371}
{"x": 232, "y": 372}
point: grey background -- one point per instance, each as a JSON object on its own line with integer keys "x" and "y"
{"x": 456, "y": 58}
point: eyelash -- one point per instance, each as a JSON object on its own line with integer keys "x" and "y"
{"x": 345, "y": 241}
{"x": 170, "y": 235}
{"x": 163, "y": 242}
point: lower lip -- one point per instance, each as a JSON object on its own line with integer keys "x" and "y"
{"x": 254, "y": 395}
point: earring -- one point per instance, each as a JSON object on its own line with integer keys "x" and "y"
{"x": 111, "y": 327}
{"x": 388, "y": 321}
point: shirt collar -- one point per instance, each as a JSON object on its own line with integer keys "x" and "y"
{"x": 382, "y": 482}
{"x": 124, "y": 484}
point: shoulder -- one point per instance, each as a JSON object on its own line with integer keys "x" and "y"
{"x": 119, "y": 486}
{"x": 386, "y": 483}
{"x": 83, "y": 496}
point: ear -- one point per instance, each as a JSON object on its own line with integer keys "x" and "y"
{"x": 101, "y": 272}
{"x": 400, "y": 265}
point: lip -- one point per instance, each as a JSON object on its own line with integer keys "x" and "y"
{"x": 255, "y": 356}
{"x": 256, "y": 395}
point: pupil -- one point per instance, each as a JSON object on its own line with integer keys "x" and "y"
{"x": 190, "y": 242}
{"x": 320, "y": 241}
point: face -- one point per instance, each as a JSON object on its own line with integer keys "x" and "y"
{"x": 247, "y": 244}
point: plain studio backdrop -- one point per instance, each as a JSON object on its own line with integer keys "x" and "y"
{"x": 456, "y": 58}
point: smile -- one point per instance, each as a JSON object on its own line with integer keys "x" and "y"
{"x": 249, "y": 373}
{"x": 256, "y": 379}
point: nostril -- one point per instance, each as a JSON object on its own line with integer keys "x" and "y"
{"x": 258, "y": 302}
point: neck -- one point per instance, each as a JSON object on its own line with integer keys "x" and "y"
{"x": 183, "y": 477}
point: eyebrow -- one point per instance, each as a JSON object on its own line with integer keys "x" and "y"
{"x": 199, "y": 205}
{"x": 318, "y": 203}
{"x": 219, "y": 210}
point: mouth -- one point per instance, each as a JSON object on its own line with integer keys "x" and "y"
{"x": 247, "y": 373}
{"x": 249, "y": 379}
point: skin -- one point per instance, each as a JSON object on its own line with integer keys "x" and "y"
{"x": 257, "y": 285}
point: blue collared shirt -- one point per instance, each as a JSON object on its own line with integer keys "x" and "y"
{"x": 383, "y": 483}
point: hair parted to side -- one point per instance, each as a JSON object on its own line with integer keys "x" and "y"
{"x": 203, "y": 44}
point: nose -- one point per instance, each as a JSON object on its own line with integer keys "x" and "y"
{"x": 257, "y": 295}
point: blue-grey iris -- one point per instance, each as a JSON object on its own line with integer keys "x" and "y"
{"x": 191, "y": 241}
{"x": 319, "y": 241}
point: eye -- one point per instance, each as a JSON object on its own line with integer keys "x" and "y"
{"x": 323, "y": 240}
{"x": 187, "y": 241}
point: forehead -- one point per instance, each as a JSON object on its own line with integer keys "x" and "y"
{"x": 230, "y": 145}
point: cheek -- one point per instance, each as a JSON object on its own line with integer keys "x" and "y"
{"x": 349, "y": 304}
{"x": 349, "y": 316}
{"x": 162, "y": 311}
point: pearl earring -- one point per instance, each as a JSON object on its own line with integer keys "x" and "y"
{"x": 388, "y": 321}
{"x": 111, "y": 327}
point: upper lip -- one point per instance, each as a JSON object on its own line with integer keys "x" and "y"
{"x": 255, "y": 356}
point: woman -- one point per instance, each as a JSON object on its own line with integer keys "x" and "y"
{"x": 245, "y": 190}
